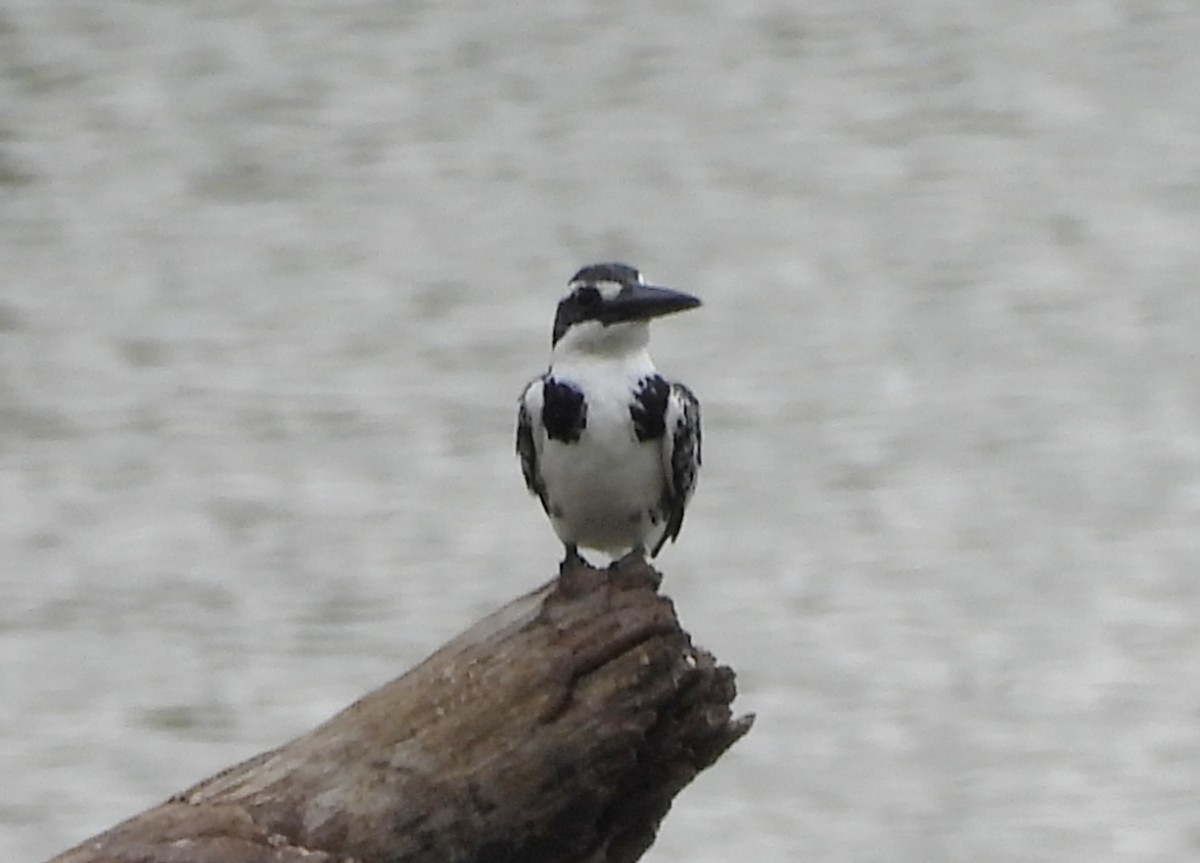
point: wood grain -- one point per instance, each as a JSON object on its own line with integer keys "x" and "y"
{"x": 557, "y": 729}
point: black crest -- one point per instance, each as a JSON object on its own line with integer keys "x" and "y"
{"x": 585, "y": 302}
{"x": 622, "y": 274}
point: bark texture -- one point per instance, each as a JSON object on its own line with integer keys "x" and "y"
{"x": 556, "y": 730}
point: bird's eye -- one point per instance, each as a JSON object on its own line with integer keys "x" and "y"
{"x": 588, "y": 296}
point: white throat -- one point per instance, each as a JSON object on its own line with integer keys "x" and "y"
{"x": 615, "y": 341}
{"x": 594, "y": 355}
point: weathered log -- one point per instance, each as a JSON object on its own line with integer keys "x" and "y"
{"x": 557, "y": 729}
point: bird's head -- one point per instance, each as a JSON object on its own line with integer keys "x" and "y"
{"x": 608, "y": 308}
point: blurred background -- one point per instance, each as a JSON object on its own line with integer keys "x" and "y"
{"x": 272, "y": 276}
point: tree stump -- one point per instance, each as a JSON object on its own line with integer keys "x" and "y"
{"x": 557, "y": 729}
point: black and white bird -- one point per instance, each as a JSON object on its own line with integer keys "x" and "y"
{"x": 609, "y": 446}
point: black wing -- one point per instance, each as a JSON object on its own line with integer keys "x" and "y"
{"x": 681, "y": 458}
{"x": 526, "y": 445}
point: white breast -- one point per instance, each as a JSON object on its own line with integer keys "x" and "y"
{"x": 604, "y": 490}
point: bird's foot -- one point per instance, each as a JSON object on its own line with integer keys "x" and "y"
{"x": 637, "y": 554}
{"x": 634, "y": 569}
{"x": 576, "y": 576}
{"x": 572, "y": 560}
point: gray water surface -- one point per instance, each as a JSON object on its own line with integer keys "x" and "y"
{"x": 272, "y": 275}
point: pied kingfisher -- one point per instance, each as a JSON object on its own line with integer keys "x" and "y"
{"x": 608, "y": 445}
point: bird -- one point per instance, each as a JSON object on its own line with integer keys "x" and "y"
{"x": 609, "y": 446}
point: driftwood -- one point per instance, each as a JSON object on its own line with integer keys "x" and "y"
{"x": 557, "y": 729}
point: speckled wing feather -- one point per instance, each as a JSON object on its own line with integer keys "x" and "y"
{"x": 681, "y": 458}
{"x": 527, "y": 406}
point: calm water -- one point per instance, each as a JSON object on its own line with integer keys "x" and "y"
{"x": 273, "y": 275}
